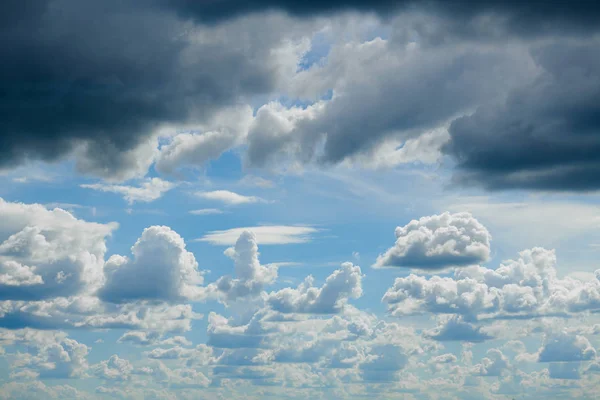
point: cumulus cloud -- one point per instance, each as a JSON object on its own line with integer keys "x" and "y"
{"x": 113, "y": 369}
{"x": 48, "y": 253}
{"x": 50, "y": 355}
{"x": 250, "y": 276}
{"x": 527, "y": 287}
{"x": 150, "y": 190}
{"x": 161, "y": 269}
{"x": 437, "y": 242}
{"x": 566, "y": 348}
{"x": 339, "y": 287}
{"x": 264, "y": 235}
{"x": 494, "y": 364}
{"x": 454, "y": 329}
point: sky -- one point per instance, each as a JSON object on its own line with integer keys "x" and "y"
{"x": 333, "y": 199}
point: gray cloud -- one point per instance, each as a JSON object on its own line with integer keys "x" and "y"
{"x": 546, "y": 135}
{"x": 103, "y": 88}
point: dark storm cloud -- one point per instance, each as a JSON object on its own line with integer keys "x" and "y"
{"x": 522, "y": 16}
{"x": 107, "y": 73}
{"x": 546, "y": 135}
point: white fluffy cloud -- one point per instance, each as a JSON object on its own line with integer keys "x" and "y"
{"x": 341, "y": 285}
{"x": 150, "y": 190}
{"x": 48, "y": 253}
{"x": 161, "y": 269}
{"x": 50, "y": 355}
{"x": 113, "y": 369}
{"x": 523, "y": 288}
{"x": 437, "y": 242}
{"x": 250, "y": 277}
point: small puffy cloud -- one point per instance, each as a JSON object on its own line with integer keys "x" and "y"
{"x": 161, "y": 269}
{"x": 113, "y": 369}
{"x": 275, "y": 234}
{"x": 438, "y": 242}
{"x": 250, "y": 276}
{"x": 495, "y": 364}
{"x": 229, "y": 198}
{"x": 455, "y": 329}
{"x": 150, "y": 190}
{"x": 566, "y": 348}
{"x": 341, "y": 285}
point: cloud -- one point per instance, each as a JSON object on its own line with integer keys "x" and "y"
{"x": 150, "y": 190}
{"x": 339, "y": 287}
{"x": 369, "y": 96}
{"x": 536, "y": 17}
{"x": 113, "y": 369}
{"x": 229, "y": 198}
{"x": 495, "y": 364}
{"x": 455, "y": 329}
{"x": 544, "y": 136}
{"x": 566, "y": 348}
{"x": 265, "y": 235}
{"x": 225, "y": 130}
{"x": 170, "y": 273}
{"x": 47, "y": 253}
{"x": 105, "y": 107}
{"x": 383, "y": 363}
{"x": 51, "y": 355}
{"x": 525, "y": 288}
{"x": 250, "y": 276}
{"x": 437, "y": 242}
{"x": 206, "y": 211}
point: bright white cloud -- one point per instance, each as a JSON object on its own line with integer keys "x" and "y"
{"x": 229, "y": 198}
{"x": 46, "y": 253}
{"x": 527, "y": 287}
{"x": 250, "y": 276}
{"x": 265, "y": 235}
{"x": 161, "y": 269}
{"x": 150, "y": 190}
{"x": 437, "y": 242}
{"x": 341, "y": 285}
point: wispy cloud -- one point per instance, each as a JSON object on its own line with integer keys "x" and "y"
{"x": 206, "y": 211}
{"x": 276, "y": 234}
{"x": 148, "y": 191}
{"x": 229, "y": 198}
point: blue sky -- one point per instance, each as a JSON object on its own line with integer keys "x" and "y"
{"x": 323, "y": 200}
